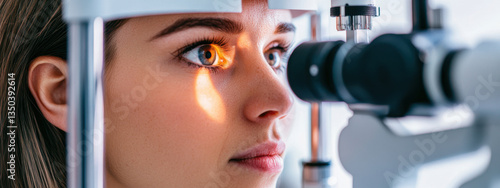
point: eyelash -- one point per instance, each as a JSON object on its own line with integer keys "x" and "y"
{"x": 283, "y": 48}
{"x": 222, "y": 43}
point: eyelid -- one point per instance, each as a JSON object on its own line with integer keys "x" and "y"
{"x": 219, "y": 41}
{"x": 284, "y": 46}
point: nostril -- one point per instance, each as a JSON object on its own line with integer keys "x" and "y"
{"x": 268, "y": 114}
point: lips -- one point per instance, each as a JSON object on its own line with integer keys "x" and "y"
{"x": 265, "y": 157}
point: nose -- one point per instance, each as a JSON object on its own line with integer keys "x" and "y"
{"x": 268, "y": 97}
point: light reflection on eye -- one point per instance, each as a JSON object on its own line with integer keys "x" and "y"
{"x": 204, "y": 55}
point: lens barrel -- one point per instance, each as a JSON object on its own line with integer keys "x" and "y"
{"x": 310, "y": 71}
{"x": 388, "y": 71}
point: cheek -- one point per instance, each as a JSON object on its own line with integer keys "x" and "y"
{"x": 160, "y": 133}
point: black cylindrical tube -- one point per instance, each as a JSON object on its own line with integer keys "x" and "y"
{"x": 420, "y": 17}
{"x": 310, "y": 71}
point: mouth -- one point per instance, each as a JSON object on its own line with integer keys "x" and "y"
{"x": 265, "y": 157}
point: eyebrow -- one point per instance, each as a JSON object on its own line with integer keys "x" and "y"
{"x": 284, "y": 27}
{"x": 219, "y": 24}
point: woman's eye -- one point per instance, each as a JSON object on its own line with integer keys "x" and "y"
{"x": 204, "y": 55}
{"x": 273, "y": 58}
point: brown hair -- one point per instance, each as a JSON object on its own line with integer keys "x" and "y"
{"x": 28, "y": 29}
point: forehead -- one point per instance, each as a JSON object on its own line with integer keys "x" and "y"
{"x": 256, "y": 20}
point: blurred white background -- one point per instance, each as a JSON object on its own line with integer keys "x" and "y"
{"x": 468, "y": 23}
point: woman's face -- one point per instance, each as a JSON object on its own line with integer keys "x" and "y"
{"x": 198, "y": 100}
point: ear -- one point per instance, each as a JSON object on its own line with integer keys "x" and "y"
{"x": 47, "y": 79}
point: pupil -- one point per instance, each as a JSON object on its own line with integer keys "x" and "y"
{"x": 208, "y": 55}
{"x": 271, "y": 57}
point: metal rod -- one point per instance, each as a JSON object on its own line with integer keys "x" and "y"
{"x": 325, "y": 144}
{"x": 315, "y": 111}
{"x": 315, "y": 32}
{"x": 85, "y": 105}
{"x": 357, "y": 36}
{"x": 317, "y": 172}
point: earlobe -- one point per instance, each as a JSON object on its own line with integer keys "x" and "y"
{"x": 47, "y": 80}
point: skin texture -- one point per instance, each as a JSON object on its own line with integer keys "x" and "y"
{"x": 174, "y": 125}
{"x": 170, "y": 123}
